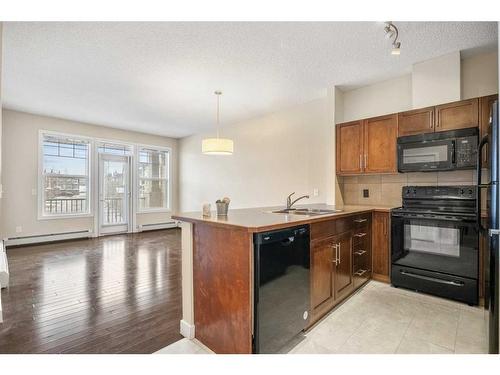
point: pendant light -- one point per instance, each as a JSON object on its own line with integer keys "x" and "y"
{"x": 217, "y": 146}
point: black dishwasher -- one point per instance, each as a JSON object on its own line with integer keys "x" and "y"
{"x": 281, "y": 294}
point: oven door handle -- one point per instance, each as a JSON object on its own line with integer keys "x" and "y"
{"x": 428, "y": 278}
{"x": 479, "y": 167}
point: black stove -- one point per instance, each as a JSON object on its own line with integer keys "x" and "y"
{"x": 435, "y": 241}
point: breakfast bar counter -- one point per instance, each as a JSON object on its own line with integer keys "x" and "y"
{"x": 217, "y": 269}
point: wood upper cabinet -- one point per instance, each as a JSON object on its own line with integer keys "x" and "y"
{"x": 343, "y": 282}
{"x": 417, "y": 121}
{"x": 457, "y": 115}
{"x": 485, "y": 104}
{"x": 322, "y": 267}
{"x": 349, "y": 139}
{"x": 380, "y": 246}
{"x": 380, "y": 136}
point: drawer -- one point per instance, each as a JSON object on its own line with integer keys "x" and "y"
{"x": 361, "y": 236}
{"x": 361, "y": 259}
{"x": 328, "y": 228}
{"x": 361, "y": 220}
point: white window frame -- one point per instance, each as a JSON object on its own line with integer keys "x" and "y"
{"x": 168, "y": 190}
{"x": 41, "y": 184}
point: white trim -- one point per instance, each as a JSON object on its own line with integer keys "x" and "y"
{"x": 14, "y": 241}
{"x": 187, "y": 330}
{"x": 4, "y": 270}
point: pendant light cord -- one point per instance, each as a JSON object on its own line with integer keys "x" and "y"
{"x": 218, "y": 104}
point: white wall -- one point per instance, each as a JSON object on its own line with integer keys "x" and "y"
{"x": 273, "y": 156}
{"x": 1, "y": 127}
{"x": 480, "y": 75}
{"x": 436, "y": 81}
{"x": 20, "y": 171}
{"x": 379, "y": 99}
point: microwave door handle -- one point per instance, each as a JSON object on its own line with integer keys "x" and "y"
{"x": 479, "y": 166}
{"x": 453, "y": 149}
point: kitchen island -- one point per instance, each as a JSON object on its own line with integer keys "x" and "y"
{"x": 217, "y": 267}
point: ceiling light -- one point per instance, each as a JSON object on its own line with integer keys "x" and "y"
{"x": 391, "y": 31}
{"x": 396, "y": 50}
{"x": 217, "y": 146}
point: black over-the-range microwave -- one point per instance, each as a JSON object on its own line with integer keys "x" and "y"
{"x": 441, "y": 151}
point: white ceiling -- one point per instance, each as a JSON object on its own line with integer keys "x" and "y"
{"x": 160, "y": 77}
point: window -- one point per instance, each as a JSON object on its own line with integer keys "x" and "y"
{"x": 64, "y": 176}
{"x": 153, "y": 180}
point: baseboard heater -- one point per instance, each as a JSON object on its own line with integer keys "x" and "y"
{"x": 15, "y": 241}
{"x": 165, "y": 225}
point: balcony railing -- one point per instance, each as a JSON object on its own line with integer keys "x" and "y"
{"x": 65, "y": 205}
{"x": 112, "y": 208}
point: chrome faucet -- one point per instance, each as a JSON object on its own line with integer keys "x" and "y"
{"x": 290, "y": 203}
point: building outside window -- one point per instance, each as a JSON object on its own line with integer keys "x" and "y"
{"x": 64, "y": 176}
{"x": 153, "y": 192}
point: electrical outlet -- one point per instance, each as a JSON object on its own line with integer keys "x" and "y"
{"x": 366, "y": 193}
{"x": 315, "y": 192}
{"x": 19, "y": 229}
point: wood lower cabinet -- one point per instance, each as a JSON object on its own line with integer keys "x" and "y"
{"x": 417, "y": 121}
{"x": 342, "y": 275}
{"x": 381, "y": 255}
{"x": 380, "y": 136}
{"x": 485, "y": 105}
{"x": 349, "y": 140}
{"x": 457, "y": 115}
{"x": 322, "y": 267}
{"x": 335, "y": 268}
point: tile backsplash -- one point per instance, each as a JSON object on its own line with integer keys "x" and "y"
{"x": 386, "y": 189}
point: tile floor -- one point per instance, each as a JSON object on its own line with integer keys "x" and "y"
{"x": 383, "y": 319}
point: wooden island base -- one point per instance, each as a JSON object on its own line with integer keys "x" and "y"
{"x": 217, "y": 268}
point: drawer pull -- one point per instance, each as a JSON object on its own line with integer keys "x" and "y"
{"x": 360, "y": 252}
{"x": 429, "y": 278}
{"x": 360, "y": 272}
{"x": 360, "y": 220}
{"x": 360, "y": 235}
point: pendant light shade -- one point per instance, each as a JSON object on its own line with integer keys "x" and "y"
{"x": 217, "y": 146}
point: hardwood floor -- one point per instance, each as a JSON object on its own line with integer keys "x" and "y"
{"x": 115, "y": 294}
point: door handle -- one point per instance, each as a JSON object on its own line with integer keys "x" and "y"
{"x": 338, "y": 249}
{"x": 360, "y": 161}
{"x": 429, "y": 278}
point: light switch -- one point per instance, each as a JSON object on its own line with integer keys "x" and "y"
{"x": 315, "y": 192}
{"x": 19, "y": 229}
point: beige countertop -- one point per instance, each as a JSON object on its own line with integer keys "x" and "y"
{"x": 262, "y": 219}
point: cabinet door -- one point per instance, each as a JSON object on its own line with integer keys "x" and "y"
{"x": 457, "y": 115}
{"x": 322, "y": 257}
{"x": 343, "y": 284}
{"x": 380, "y": 247}
{"x": 380, "y": 136}
{"x": 417, "y": 121}
{"x": 349, "y": 139}
{"x": 485, "y": 104}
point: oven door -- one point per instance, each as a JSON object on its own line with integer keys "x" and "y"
{"x": 422, "y": 156}
{"x": 448, "y": 246}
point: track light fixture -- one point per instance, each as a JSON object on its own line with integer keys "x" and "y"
{"x": 391, "y": 31}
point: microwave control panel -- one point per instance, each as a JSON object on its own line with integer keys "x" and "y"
{"x": 466, "y": 152}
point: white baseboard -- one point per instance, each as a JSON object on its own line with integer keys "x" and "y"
{"x": 187, "y": 330}
{"x": 14, "y": 241}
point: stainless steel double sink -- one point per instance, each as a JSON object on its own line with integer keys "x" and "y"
{"x": 306, "y": 211}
